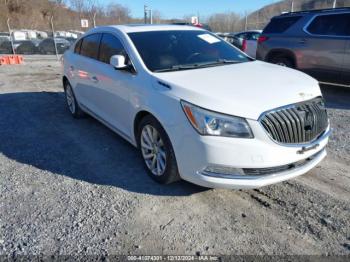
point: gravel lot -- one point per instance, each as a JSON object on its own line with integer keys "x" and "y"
{"x": 74, "y": 187}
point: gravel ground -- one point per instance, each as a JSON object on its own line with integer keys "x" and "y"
{"x": 74, "y": 187}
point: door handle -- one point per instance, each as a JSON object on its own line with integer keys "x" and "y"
{"x": 94, "y": 79}
{"x": 302, "y": 41}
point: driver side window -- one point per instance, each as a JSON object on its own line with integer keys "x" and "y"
{"x": 110, "y": 46}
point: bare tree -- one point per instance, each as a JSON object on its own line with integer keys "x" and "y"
{"x": 157, "y": 17}
{"x": 118, "y": 13}
{"x": 225, "y": 22}
{"x": 79, "y": 6}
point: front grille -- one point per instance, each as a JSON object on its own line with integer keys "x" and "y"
{"x": 298, "y": 123}
{"x": 278, "y": 169}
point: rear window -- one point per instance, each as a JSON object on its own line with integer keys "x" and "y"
{"x": 335, "y": 25}
{"x": 280, "y": 24}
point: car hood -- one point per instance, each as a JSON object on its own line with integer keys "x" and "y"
{"x": 245, "y": 89}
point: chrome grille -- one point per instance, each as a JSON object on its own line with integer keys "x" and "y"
{"x": 298, "y": 123}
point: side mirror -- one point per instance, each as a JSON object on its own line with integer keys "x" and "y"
{"x": 118, "y": 62}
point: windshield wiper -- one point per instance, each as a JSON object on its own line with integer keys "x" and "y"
{"x": 224, "y": 61}
{"x": 177, "y": 68}
{"x": 197, "y": 65}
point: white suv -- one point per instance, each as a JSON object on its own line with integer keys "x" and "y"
{"x": 196, "y": 107}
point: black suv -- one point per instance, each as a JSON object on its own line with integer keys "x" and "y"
{"x": 316, "y": 42}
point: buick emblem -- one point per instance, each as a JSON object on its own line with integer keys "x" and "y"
{"x": 308, "y": 121}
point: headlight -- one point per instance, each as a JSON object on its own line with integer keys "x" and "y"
{"x": 214, "y": 124}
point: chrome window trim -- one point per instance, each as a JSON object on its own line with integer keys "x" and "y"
{"x": 317, "y": 15}
{"x": 333, "y": 84}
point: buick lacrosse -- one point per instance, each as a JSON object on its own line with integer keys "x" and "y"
{"x": 196, "y": 107}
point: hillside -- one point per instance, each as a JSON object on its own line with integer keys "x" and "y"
{"x": 36, "y": 14}
{"x": 259, "y": 18}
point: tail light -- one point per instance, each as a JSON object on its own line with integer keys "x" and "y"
{"x": 262, "y": 39}
{"x": 244, "y": 45}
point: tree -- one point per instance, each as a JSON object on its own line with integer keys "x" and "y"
{"x": 79, "y": 6}
{"x": 118, "y": 13}
{"x": 225, "y": 22}
{"x": 157, "y": 17}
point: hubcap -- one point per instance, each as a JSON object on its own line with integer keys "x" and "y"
{"x": 70, "y": 99}
{"x": 153, "y": 150}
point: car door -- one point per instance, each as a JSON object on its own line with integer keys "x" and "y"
{"x": 83, "y": 68}
{"x": 322, "y": 52}
{"x": 114, "y": 86}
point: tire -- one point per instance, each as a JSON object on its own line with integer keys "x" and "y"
{"x": 283, "y": 61}
{"x": 72, "y": 104}
{"x": 155, "y": 148}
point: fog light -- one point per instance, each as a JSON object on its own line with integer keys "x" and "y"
{"x": 223, "y": 171}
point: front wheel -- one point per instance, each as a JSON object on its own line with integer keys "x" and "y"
{"x": 157, "y": 151}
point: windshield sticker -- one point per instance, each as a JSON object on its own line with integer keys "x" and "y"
{"x": 209, "y": 38}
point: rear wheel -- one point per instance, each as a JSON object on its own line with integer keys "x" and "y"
{"x": 72, "y": 104}
{"x": 157, "y": 151}
{"x": 282, "y": 61}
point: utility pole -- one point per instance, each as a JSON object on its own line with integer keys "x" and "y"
{"x": 334, "y": 3}
{"x": 94, "y": 19}
{"x": 53, "y": 37}
{"x": 11, "y": 37}
{"x": 292, "y": 6}
{"x": 148, "y": 12}
{"x": 151, "y": 16}
{"x": 145, "y": 12}
{"x": 246, "y": 21}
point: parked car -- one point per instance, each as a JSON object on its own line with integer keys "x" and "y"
{"x": 6, "y": 47}
{"x": 315, "y": 42}
{"x": 28, "y": 47}
{"x": 232, "y": 39}
{"x": 200, "y": 25}
{"x": 4, "y": 37}
{"x": 248, "y": 41}
{"x": 71, "y": 40}
{"x": 47, "y": 46}
{"x": 196, "y": 107}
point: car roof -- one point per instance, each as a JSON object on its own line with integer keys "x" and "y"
{"x": 133, "y": 28}
{"x": 320, "y": 11}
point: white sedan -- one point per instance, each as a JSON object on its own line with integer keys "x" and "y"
{"x": 196, "y": 107}
{"x": 249, "y": 41}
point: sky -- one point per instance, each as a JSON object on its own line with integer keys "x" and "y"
{"x": 179, "y": 8}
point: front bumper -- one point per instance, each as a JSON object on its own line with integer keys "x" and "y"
{"x": 247, "y": 182}
{"x": 195, "y": 153}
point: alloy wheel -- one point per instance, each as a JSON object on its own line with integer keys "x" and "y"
{"x": 153, "y": 150}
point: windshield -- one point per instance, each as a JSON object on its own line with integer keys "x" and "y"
{"x": 183, "y": 50}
